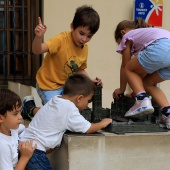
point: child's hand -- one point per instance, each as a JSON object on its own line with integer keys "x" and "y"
{"x": 116, "y": 93}
{"x": 106, "y": 122}
{"x": 98, "y": 81}
{"x": 40, "y": 29}
{"x": 26, "y": 149}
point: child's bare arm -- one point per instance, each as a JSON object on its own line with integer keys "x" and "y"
{"x": 126, "y": 57}
{"x": 26, "y": 151}
{"x": 38, "y": 46}
{"x": 97, "y": 126}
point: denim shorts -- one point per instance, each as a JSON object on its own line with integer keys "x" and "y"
{"x": 156, "y": 57}
{"x": 38, "y": 161}
{"x": 46, "y": 95}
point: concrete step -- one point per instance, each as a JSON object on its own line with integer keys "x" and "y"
{"x": 108, "y": 151}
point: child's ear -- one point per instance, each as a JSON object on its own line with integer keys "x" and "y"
{"x": 123, "y": 32}
{"x": 71, "y": 27}
{"x": 79, "y": 97}
{"x": 1, "y": 118}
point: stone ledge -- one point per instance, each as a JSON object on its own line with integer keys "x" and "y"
{"x": 143, "y": 151}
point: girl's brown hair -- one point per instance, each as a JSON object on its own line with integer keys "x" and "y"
{"x": 126, "y": 24}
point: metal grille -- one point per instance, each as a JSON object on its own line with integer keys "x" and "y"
{"x": 18, "y": 19}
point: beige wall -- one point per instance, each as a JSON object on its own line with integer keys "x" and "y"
{"x": 103, "y": 61}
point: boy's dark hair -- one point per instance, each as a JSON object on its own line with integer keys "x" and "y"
{"x": 126, "y": 24}
{"x": 78, "y": 84}
{"x": 86, "y": 16}
{"x": 9, "y": 101}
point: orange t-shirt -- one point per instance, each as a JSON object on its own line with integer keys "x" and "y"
{"x": 62, "y": 60}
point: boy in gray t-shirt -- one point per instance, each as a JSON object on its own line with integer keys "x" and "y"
{"x": 61, "y": 113}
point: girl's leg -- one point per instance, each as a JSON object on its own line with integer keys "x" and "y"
{"x": 150, "y": 82}
{"x": 140, "y": 81}
{"x": 134, "y": 74}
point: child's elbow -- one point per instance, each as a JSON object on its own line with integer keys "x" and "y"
{"x": 36, "y": 52}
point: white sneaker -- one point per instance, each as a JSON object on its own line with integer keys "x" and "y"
{"x": 141, "y": 107}
{"x": 164, "y": 121}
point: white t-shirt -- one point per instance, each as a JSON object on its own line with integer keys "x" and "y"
{"x": 51, "y": 121}
{"x": 9, "y": 149}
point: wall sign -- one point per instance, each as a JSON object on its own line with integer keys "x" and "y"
{"x": 149, "y": 10}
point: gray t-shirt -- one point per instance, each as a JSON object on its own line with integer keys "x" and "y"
{"x": 49, "y": 124}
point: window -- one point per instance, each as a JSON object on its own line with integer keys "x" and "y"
{"x": 18, "y": 19}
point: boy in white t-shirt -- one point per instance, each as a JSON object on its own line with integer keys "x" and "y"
{"x": 10, "y": 128}
{"x": 61, "y": 113}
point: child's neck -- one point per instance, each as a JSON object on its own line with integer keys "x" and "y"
{"x": 4, "y": 131}
{"x": 72, "y": 99}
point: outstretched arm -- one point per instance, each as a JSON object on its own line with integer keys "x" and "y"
{"x": 38, "y": 46}
{"x": 126, "y": 57}
{"x": 97, "y": 126}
